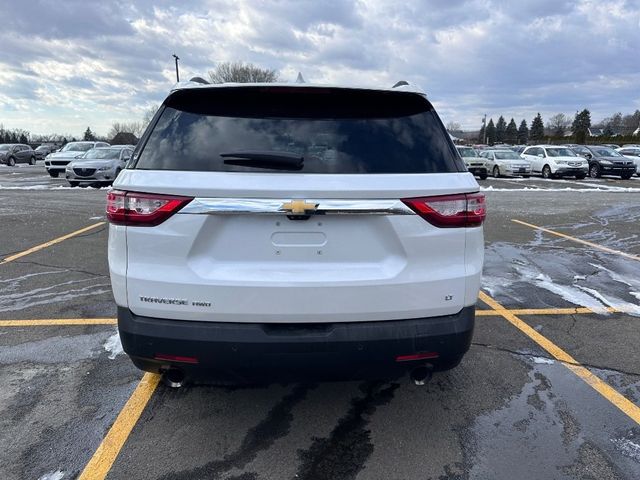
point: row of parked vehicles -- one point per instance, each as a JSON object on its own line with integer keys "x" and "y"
{"x": 82, "y": 163}
{"x": 553, "y": 161}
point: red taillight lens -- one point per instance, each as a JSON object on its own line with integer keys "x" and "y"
{"x": 175, "y": 358}
{"x": 142, "y": 209}
{"x": 417, "y": 356}
{"x": 450, "y": 211}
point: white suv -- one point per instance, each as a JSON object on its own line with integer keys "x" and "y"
{"x": 284, "y": 231}
{"x": 552, "y": 161}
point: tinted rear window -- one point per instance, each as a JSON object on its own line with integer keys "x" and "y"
{"x": 334, "y": 130}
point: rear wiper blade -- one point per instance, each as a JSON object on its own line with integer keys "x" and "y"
{"x": 265, "y": 159}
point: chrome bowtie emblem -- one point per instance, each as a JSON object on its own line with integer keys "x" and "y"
{"x": 299, "y": 207}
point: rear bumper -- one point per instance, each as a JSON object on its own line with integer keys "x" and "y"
{"x": 250, "y": 352}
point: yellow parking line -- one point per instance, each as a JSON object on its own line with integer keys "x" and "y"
{"x": 58, "y": 321}
{"x": 612, "y": 395}
{"x": 551, "y": 311}
{"x": 103, "y": 458}
{"x": 37, "y": 248}
{"x": 573, "y": 239}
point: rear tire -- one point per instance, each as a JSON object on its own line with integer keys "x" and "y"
{"x": 526, "y": 176}
{"x": 53, "y": 174}
{"x": 546, "y": 172}
{"x": 483, "y": 176}
{"x": 496, "y": 172}
{"x": 594, "y": 170}
{"x": 32, "y": 161}
{"x": 11, "y": 162}
{"x": 580, "y": 177}
{"x": 625, "y": 177}
{"x": 74, "y": 184}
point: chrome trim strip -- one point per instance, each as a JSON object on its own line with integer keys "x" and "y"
{"x": 239, "y": 206}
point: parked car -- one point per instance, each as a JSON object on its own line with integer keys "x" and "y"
{"x": 606, "y": 161}
{"x": 506, "y": 162}
{"x": 12, "y": 153}
{"x": 43, "y": 150}
{"x": 248, "y": 258}
{"x": 632, "y": 153}
{"x": 475, "y": 163}
{"x": 610, "y": 145}
{"x": 55, "y": 163}
{"x": 99, "y": 166}
{"x": 553, "y": 161}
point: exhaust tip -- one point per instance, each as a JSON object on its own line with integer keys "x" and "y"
{"x": 173, "y": 378}
{"x": 421, "y": 375}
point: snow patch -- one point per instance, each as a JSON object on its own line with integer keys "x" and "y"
{"x": 57, "y": 475}
{"x": 568, "y": 293}
{"x": 628, "y": 281}
{"x": 38, "y": 187}
{"x": 113, "y": 345}
{"x": 616, "y": 303}
{"x": 627, "y": 448}
{"x": 543, "y": 360}
{"x": 490, "y": 188}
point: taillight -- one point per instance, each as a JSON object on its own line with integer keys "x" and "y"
{"x": 450, "y": 211}
{"x": 142, "y": 209}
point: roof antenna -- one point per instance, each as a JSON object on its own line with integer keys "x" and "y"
{"x": 300, "y": 78}
{"x": 401, "y": 83}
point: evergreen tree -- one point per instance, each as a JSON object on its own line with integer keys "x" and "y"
{"x": 537, "y": 129}
{"x": 523, "y": 133}
{"x": 581, "y": 125}
{"x": 501, "y": 128}
{"x": 491, "y": 132}
{"x": 481, "y": 134}
{"x": 88, "y": 135}
{"x": 511, "y": 133}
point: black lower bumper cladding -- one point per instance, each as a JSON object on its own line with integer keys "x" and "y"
{"x": 253, "y": 351}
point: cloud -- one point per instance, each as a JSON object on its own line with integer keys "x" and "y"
{"x": 69, "y": 63}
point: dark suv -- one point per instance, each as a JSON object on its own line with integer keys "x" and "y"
{"x": 12, "y": 153}
{"x": 606, "y": 161}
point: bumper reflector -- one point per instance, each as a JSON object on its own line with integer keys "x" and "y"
{"x": 417, "y": 356}
{"x": 175, "y": 358}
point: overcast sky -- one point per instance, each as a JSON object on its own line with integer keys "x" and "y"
{"x": 67, "y": 64}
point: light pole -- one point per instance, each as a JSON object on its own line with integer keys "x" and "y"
{"x": 177, "y": 73}
{"x": 484, "y": 123}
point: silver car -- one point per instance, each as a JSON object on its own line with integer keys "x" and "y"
{"x": 56, "y": 162}
{"x": 506, "y": 162}
{"x": 99, "y": 166}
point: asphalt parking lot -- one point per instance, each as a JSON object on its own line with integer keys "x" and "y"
{"x": 549, "y": 390}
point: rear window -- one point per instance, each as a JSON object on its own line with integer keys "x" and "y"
{"x": 331, "y": 130}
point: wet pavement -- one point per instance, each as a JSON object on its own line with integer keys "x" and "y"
{"x": 509, "y": 411}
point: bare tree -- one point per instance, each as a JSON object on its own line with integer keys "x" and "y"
{"x": 240, "y": 72}
{"x": 558, "y": 124}
{"x": 126, "y": 127}
{"x": 453, "y": 127}
{"x": 148, "y": 114}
